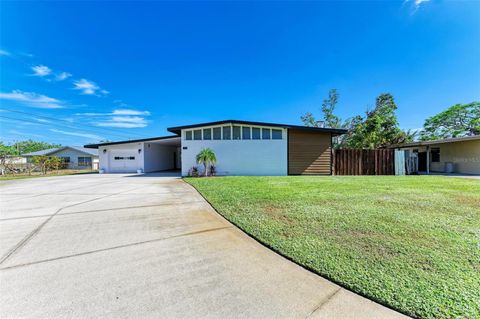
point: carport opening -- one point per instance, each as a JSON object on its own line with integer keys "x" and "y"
{"x": 163, "y": 155}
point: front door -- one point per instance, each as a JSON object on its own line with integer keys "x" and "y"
{"x": 422, "y": 161}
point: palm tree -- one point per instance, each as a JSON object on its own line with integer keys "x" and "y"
{"x": 205, "y": 157}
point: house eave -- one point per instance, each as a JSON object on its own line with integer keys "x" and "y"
{"x": 178, "y": 129}
{"x": 131, "y": 141}
{"x": 433, "y": 142}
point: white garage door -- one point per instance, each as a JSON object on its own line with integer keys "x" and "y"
{"x": 123, "y": 161}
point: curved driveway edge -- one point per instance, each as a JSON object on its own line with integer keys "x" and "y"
{"x": 146, "y": 246}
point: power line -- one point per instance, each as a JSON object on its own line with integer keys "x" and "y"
{"x": 49, "y": 124}
{"x": 79, "y": 124}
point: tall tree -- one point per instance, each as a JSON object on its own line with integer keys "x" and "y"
{"x": 456, "y": 121}
{"x": 378, "y": 129}
{"x": 26, "y": 146}
{"x": 328, "y": 108}
{"x": 33, "y": 146}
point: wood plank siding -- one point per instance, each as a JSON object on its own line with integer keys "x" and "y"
{"x": 309, "y": 153}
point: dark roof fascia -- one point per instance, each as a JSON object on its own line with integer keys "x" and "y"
{"x": 177, "y": 129}
{"x": 130, "y": 141}
{"x": 434, "y": 142}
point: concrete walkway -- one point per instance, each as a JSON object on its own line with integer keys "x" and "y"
{"x": 119, "y": 246}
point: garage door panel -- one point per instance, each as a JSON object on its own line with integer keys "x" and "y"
{"x": 123, "y": 161}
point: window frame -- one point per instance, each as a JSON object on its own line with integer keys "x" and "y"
{"x": 189, "y": 135}
{"x": 248, "y": 131}
{"x": 208, "y": 129}
{"x": 277, "y": 131}
{"x": 258, "y": 129}
{"x": 122, "y": 158}
{"x": 199, "y": 137}
{"x": 84, "y": 161}
{"x": 219, "y": 128}
{"x": 266, "y": 130}
{"x": 229, "y": 130}
{"x": 234, "y": 127}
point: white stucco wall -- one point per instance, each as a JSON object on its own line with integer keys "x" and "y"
{"x": 158, "y": 157}
{"x": 105, "y": 158}
{"x": 239, "y": 157}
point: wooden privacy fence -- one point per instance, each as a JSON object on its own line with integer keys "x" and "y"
{"x": 363, "y": 162}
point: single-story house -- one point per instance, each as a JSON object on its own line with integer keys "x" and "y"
{"x": 73, "y": 156}
{"x": 451, "y": 155}
{"x": 241, "y": 148}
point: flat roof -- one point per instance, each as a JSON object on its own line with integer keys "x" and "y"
{"x": 150, "y": 139}
{"x": 177, "y": 129}
{"x": 442, "y": 141}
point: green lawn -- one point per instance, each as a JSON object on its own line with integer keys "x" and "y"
{"x": 412, "y": 243}
{"x": 49, "y": 174}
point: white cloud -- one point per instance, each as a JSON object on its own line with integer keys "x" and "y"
{"x": 62, "y": 76}
{"x": 419, "y": 2}
{"x": 122, "y": 118}
{"x": 116, "y": 112}
{"x": 5, "y": 53}
{"x": 41, "y": 70}
{"x": 124, "y": 122}
{"x": 88, "y": 87}
{"x": 120, "y": 124}
{"x": 129, "y": 112}
{"x": 415, "y": 5}
{"x": 87, "y": 135}
{"x": 32, "y": 99}
{"x": 43, "y": 120}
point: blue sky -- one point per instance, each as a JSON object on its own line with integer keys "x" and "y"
{"x": 119, "y": 70}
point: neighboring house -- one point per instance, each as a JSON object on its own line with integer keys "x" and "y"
{"x": 73, "y": 156}
{"x": 241, "y": 148}
{"x": 451, "y": 155}
{"x": 14, "y": 159}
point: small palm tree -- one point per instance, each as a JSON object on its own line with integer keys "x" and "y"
{"x": 205, "y": 157}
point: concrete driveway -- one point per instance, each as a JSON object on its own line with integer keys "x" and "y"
{"x": 124, "y": 246}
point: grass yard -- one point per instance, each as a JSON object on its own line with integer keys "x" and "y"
{"x": 411, "y": 243}
{"x": 49, "y": 174}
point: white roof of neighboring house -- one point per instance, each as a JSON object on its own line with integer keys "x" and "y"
{"x": 50, "y": 151}
{"x": 445, "y": 140}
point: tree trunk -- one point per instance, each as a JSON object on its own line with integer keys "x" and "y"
{"x": 206, "y": 173}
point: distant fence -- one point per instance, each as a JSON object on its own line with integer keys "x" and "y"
{"x": 364, "y": 162}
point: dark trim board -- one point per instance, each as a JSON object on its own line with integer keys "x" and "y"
{"x": 332, "y": 154}
{"x": 288, "y": 152}
{"x": 177, "y": 129}
{"x": 132, "y": 141}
